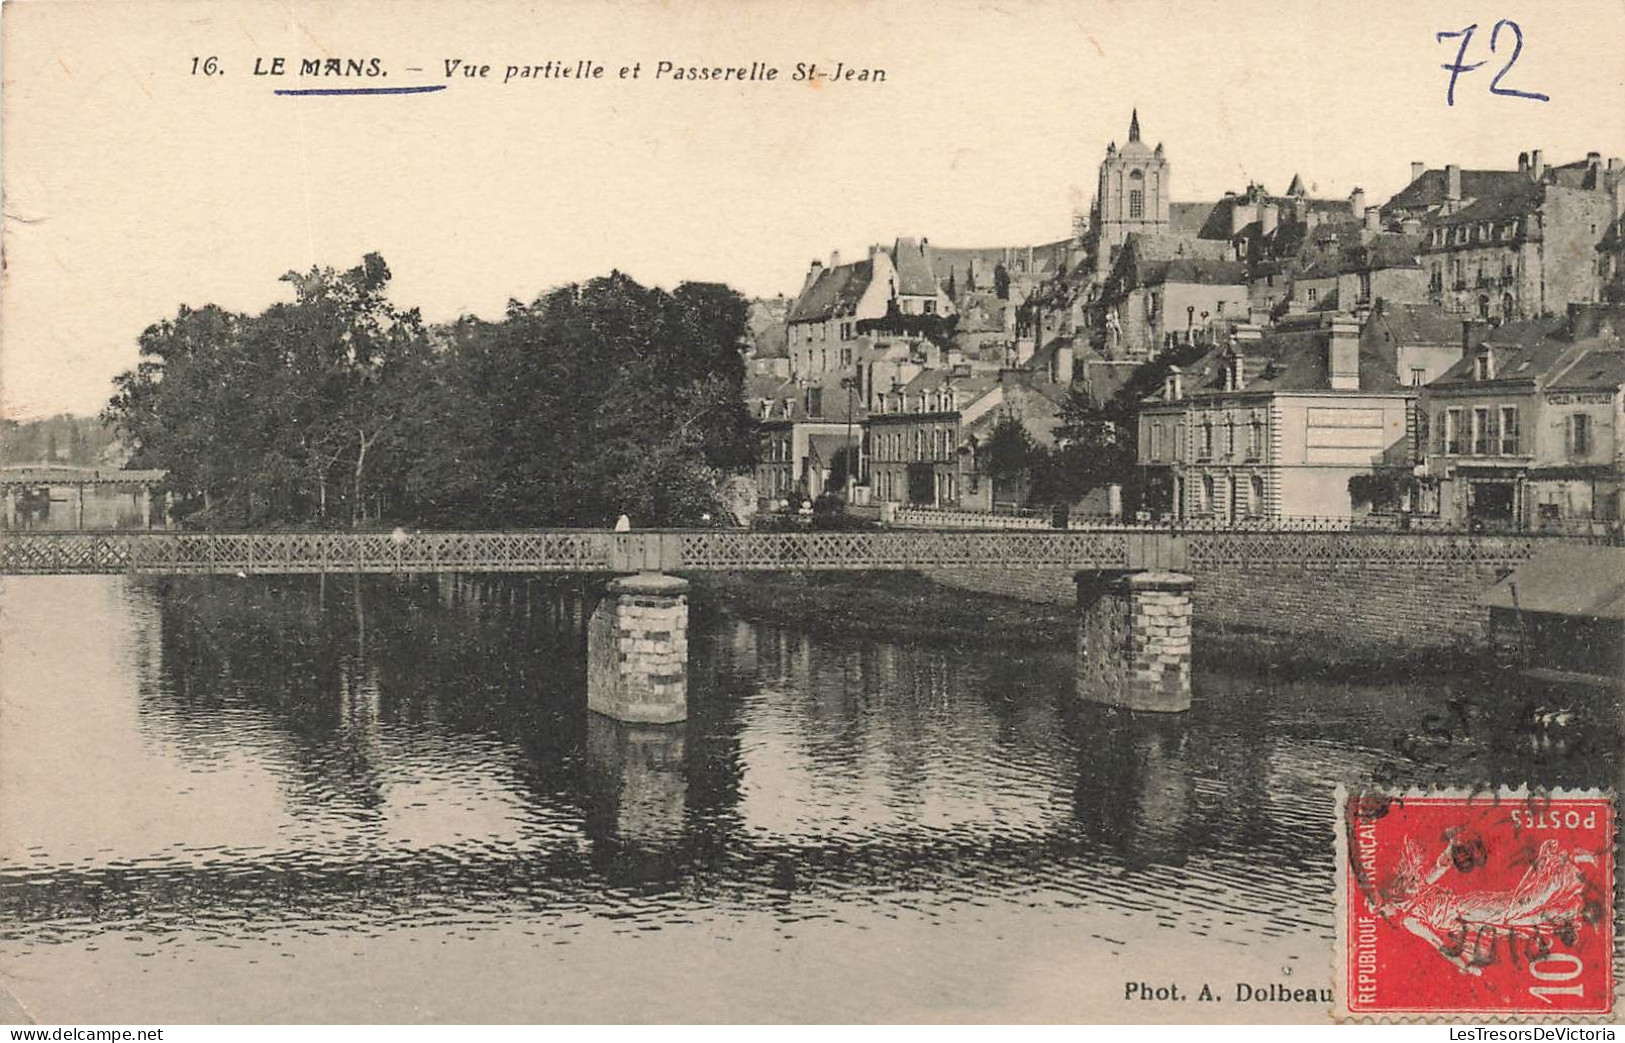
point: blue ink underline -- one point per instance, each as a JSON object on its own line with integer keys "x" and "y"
{"x": 339, "y": 91}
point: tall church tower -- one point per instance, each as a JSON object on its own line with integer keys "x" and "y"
{"x": 1133, "y": 194}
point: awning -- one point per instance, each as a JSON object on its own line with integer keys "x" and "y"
{"x": 1566, "y": 581}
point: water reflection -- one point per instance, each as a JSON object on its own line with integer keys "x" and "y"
{"x": 266, "y": 755}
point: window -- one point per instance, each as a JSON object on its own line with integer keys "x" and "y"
{"x": 1136, "y": 203}
{"x": 930, "y": 307}
{"x": 1509, "y": 430}
{"x": 1580, "y": 435}
{"x": 815, "y": 401}
{"x": 1485, "y": 366}
{"x": 1418, "y": 375}
{"x": 1311, "y": 293}
{"x": 1179, "y": 440}
{"x": 1255, "y": 439}
{"x": 1207, "y": 440}
{"x": 1483, "y": 436}
{"x": 1255, "y": 501}
{"x": 1450, "y": 433}
{"x": 846, "y": 357}
{"x": 1229, "y": 436}
{"x": 846, "y": 331}
{"x": 1365, "y": 288}
{"x": 1207, "y": 493}
{"x": 1219, "y": 308}
{"x": 1156, "y": 441}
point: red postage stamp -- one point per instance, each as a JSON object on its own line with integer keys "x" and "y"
{"x": 1478, "y": 905}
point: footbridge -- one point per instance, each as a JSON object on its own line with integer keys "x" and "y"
{"x": 1134, "y": 637}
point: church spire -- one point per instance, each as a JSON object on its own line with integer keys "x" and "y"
{"x": 1134, "y": 126}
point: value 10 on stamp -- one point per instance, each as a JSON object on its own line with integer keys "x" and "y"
{"x": 1475, "y": 905}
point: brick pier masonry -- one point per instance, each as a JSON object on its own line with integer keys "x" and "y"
{"x": 637, "y": 650}
{"x": 1134, "y": 640}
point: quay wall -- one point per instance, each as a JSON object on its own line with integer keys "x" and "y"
{"x": 1366, "y": 590}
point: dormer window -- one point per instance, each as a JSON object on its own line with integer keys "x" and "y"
{"x": 1173, "y": 385}
{"x": 1484, "y": 368}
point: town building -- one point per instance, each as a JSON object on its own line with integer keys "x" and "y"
{"x": 1274, "y": 425}
{"x": 925, "y": 436}
{"x": 802, "y": 426}
{"x": 1508, "y": 244}
{"x": 1524, "y": 432}
{"x": 1147, "y": 305}
{"x": 822, "y": 322}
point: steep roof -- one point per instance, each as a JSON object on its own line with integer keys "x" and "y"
{"x": 1383, "y": 250}
{"x": 1507, "y": 200}
{"x": 1414, "y": 325}
{"x": 1428, "y": 190}
{"x": 1291, "y": 357}
{"x": 915, "y": 277}
{"x": 835, "y": 291}
{"x": 771, "y": 342}
{"x": 1599, "y": 367}
{"x": 1194, "y": 270}
{"x": 1517, "y": 362}
{"x": 1192, "y": 218}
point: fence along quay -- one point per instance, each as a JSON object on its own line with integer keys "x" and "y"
{"x": 1133, "y": 585}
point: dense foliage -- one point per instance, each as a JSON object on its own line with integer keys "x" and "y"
{"x": 595, "y": 400}
{"x": 76, "y": 441}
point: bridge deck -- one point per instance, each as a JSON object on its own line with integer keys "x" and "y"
{"x": 180, "y": 553}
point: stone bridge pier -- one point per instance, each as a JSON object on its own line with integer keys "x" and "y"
{"x": 1134, "y": 640}
{"x": 637, "y": 650}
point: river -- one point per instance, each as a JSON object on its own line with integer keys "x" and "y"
{"x": 384, "y": 800}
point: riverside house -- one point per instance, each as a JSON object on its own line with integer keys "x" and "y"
{"x": 924, "y": 436}
{"x": 1525, "y": 434}
{"x": 1275, "y": 425}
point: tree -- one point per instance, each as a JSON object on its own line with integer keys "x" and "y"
{"x": 1010, "y": 451}
{"x": 1001, "y": 282}
{"x": 270, "y": 418}
{"x": 594, "y": 400}
{"x": 953, "y": 295}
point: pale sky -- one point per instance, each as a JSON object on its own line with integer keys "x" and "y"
{"x": 132, "y": 186}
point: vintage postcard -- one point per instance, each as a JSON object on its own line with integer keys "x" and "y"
{"x": 868, "y": 512}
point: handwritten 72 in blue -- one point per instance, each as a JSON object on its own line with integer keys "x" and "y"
{"x": 1458, "y": 67}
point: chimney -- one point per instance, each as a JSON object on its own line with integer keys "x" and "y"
{"x": 1061, "y": 373}
{"x": 1373, "y": 219}
{"x": 1242, "y": 215}
{"x": 1537, "y": 165}
{"x": 1473, "y": 332}
{"x": 1523, "y": 163}
{"x": 1343, "y": 353}
{"x": 1416, "y": 169}
{"x": 1268, "y": 216}
{"x": 1452, "y": 185}
{"x": 1357, "y": 202}
{"x": 814, "y": 270}
{"x": 1613, "y": 164}
{"x": 835, "y": 258}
